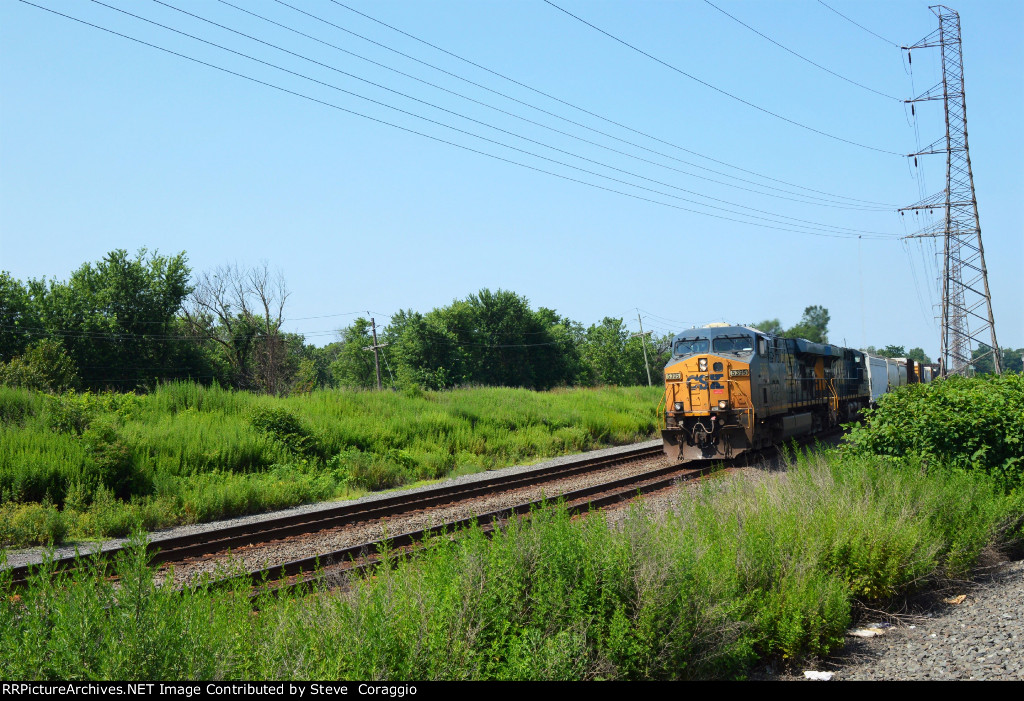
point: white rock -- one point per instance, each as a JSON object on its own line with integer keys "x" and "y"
{"x": 864, "y": 633}
{"x": 819, "y": 676}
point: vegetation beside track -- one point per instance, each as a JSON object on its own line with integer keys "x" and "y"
{"x": 743, "y": 570}
{"x": 965, "y": 424}
{"x": 87, "y": 465}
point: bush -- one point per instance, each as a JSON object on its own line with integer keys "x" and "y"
{"x": 962, "y": 423}
{"x": 44, "y": 366}
{"x": 284, "y": 426}
{"x": 31, "y": 524}
{"x": 112, "y": 461}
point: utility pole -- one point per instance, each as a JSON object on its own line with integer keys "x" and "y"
{"x": 374, "y": 348}
{"x": 643, "y": 343}
{"x": 964, "y": 275}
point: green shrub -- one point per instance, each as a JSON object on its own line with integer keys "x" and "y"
{"x": 224, "y": 495}
{"x": 70, "y": 412}
{"x": 23, "y": 525}
{"x": 112, "y": 461}
{"x": 44, "y": 366}
{"x": 107, "y": 517}
{"x": 974, "y": 423}
{"x": 17, "y": 405}
{"x": 287, "y": 428}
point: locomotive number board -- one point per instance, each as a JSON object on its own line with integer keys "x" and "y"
{"x": 739, "y": 373}
{"x": 673, "y": 376}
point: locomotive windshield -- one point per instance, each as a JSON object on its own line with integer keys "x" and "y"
{"x": 734, "y": 344}
{"x": 689, "y": 346}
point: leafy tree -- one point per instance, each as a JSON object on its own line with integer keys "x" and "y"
{"x": 1010, "y": 360}
{"x": 919, "y": 355}
{"x": 567, "y": 366}
{"x": 313, "y": 369}
{"x": 614, "y": 357}
{"x": 117, "y": 317}
{"x": 505, "y": 343}
{"x": 353, "y": 366}
{"x": 44, "y": 366}
{"x": 813, "y": 325}
{"x": 19, "y": 318}
{"x": 771, "y": 326}
{"x": 425, "y": 353}
{"x": 488, "y": 338}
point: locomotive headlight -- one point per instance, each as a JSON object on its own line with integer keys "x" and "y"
{"x": 679, "y": 406}
{"x": 723, "y": 404}
{"x": 702, "y": 364}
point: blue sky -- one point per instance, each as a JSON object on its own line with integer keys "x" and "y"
{"x": 106, "y": 143}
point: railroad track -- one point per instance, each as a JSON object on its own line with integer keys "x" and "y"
{"x": 338, "y": 566}
{"x": 330, "y": 569}
{"x": 192, "y": 545}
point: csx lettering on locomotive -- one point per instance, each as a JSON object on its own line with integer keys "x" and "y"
{"x": 702, "y": 381}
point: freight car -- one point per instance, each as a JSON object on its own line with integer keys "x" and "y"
{"x": 730, "y": 389}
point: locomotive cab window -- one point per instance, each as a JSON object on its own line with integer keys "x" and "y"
{"x": 689, "y": 346}
{"x": 733, "y": 344}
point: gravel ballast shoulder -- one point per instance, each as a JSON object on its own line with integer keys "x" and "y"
{"x": 980, "y": 638}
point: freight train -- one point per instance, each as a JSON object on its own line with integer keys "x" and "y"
{"x": 731, "y": 389}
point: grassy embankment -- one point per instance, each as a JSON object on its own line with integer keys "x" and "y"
{"x": 743, "y": 570}
{"x": 88, "y": 465}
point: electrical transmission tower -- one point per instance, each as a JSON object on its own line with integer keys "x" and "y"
{"x": 966, "y": 300}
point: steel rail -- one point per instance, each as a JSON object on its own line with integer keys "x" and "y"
{"x": 358, "y": 558}
{"x": 195, "y": 544}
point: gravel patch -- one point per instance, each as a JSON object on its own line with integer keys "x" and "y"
{"x": 36, "y": 555}
{"x": 980, "y": 638}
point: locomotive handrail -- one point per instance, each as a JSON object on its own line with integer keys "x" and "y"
{"x": 834, "y": 399}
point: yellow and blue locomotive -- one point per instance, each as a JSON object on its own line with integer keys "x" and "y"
{"x": 730, "y": 389}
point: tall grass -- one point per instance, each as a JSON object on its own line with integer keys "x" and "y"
{"x": 187, "y": 452}
{"x": 741, "y": 570}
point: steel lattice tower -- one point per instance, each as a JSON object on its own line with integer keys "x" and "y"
{"x": 964, "y": 276}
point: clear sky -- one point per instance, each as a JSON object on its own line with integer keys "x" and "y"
{"x": 106, "y": 143}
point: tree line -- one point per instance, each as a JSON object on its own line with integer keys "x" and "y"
{"x": 129, "y": 322}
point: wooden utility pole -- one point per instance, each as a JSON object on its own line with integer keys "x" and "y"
{"x": 374, "y": 348}
{"x": 643, "y": 343}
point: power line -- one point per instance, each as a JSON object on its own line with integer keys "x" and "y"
{"x": 439, "y": 139}
{"x": 324, "y": 316}
{"x": 687, "y": 324}
{"x": 801, "y": 57}
{"x": 808, "y": 199}
{"x": 40, "y": 332}
{"x": 491, "y": 126}
{"x": 381, "y": 121}
{"x": 860, "y": 25}
{"x": 720, "y": 90}
{"x": 564, "y": 102}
